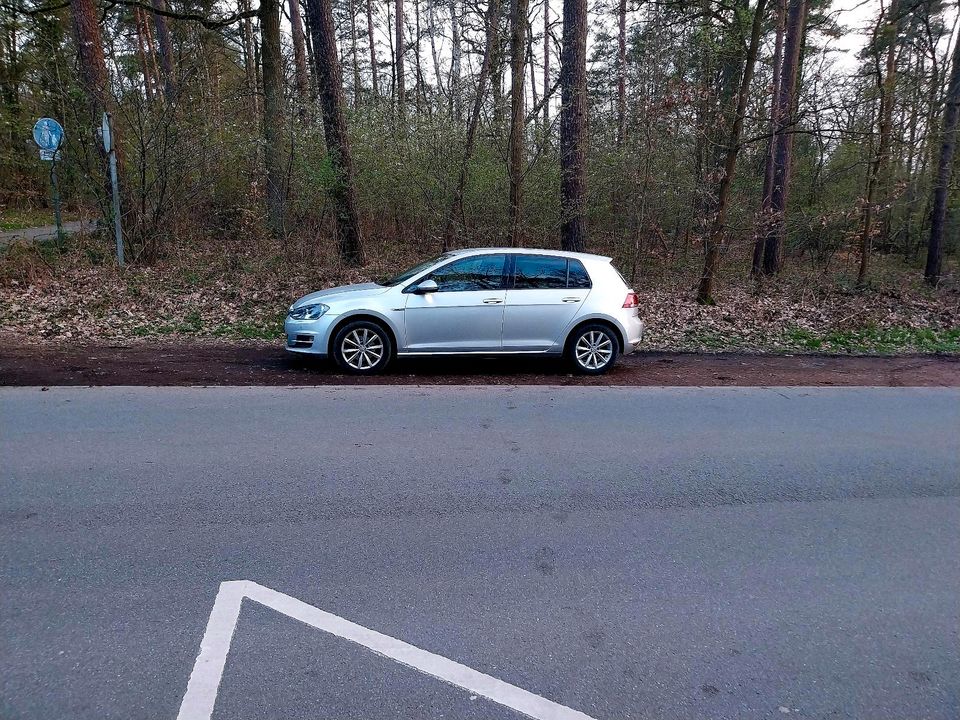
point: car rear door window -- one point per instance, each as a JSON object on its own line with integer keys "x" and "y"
{"x": 577, "y": 277}
{"x": 545, "y": 272}
{"x": 481, "y": 272}
{"x": 539, "y": 272}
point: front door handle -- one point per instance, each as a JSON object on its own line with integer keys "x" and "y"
{"x": 492, "y": 301}
{"x": 571, "y": 299}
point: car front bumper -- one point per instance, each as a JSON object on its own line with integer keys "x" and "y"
{"x": 309, "y": 337}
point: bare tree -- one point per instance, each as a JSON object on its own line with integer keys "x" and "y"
{"x": 886, "y": 82}
{"x": 333, "y": 108}
{"x": 492, "y": 24}
{"x": 621, "y": 71}
{"x": 518, "y": 55}
{"x": 573, "y": 127}
{"x": 250, "y": 61}
{"x": 942, "y": 184}
{"x": 374, "y": 71}
{"x": 400, "y": 51}
{"x": 455, "y": 52}
{"x": 717, "y": 235}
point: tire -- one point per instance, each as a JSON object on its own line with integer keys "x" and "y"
{"x": 592, "y": 349}
{"x": 362, "y": 347}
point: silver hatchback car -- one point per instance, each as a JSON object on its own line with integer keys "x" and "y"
{"x": 492, "y": 301}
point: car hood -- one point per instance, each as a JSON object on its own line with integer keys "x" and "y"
{"x": 343, "y": 292}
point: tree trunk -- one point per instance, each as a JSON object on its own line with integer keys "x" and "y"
{"x": 533, "y": 70}
{"x": 353, "y": 55}
{"x": 142, "y": 51}
{"x": 885, "y": 86}
{"x": 938, "y": 217}
{"x": 621, "y": 72}
{"x": 518, "y": 56}
{"x": 332, "y": 107}
{"x": 374, "y": 74}
{"x": 783, "y": 141}
{"x": 768, "y": 168}
{"x": 165, "y": 48}
{"x": 546, "y": 65}
{"x": 93, "y": 67}
{"x": 93, "y": 81}
{"x": 573, "y": 127}
{"x": 717, "y": 236}
{"x": 272, "y": 62}
{"x": 401, "y": 87}
{"x": 419, "y": 91}
{"x": 250, "y": 62}
{"x": 492, "y": 23}
{"x": 455, "y": 51}
{"x": 299, "y": 55}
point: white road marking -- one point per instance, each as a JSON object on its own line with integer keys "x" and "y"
{"x": 207, "y": 672}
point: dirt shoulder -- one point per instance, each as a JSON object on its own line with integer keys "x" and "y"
{"x": 269, "y": 364}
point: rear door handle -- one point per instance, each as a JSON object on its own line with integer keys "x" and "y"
{"x": 492, "y": 301}
{"x": 571, "y": 299}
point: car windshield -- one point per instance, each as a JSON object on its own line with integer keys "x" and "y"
{"x": 412, "y": 272}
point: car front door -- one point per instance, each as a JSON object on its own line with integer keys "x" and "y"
{"x": 546, "y": 293}
{"x": 464, "y": 314}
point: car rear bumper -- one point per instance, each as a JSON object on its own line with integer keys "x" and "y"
{"x": 633, "y": 329}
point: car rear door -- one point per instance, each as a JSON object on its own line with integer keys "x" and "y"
{"x": 541, "y": 300}
{"x": 465, "y": 314}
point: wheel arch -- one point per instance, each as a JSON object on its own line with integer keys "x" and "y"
{"x": 583, "y": 322}
{"x": 369, "y": 316}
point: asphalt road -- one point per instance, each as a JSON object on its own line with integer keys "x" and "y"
{"x": 624, "y": 552}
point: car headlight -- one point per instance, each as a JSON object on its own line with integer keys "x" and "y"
{"x": 308, "y": 312}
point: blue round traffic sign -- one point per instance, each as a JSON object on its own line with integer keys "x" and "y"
{"x": 48, "y": 134}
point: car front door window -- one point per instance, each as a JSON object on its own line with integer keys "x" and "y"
{"x": 484, "y": 272}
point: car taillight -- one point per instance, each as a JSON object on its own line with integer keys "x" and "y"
{"x": 632, "y": 300}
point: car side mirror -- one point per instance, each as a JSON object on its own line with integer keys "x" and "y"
{"x": 427, "y": 286}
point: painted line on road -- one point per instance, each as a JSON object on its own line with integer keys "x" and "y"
{"x": 201, "y": 695}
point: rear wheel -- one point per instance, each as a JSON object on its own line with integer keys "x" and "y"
{"x": 593, "y": 349}
{"x": 362, "y": 348}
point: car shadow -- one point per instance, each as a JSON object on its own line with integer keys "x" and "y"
{"x": 450, "y": 370}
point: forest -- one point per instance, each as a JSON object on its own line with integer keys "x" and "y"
{"x": 768, "y": 174}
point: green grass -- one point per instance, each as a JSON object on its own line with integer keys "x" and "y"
{"x": 17, "y": 219}
{"x": 872, "y": 339}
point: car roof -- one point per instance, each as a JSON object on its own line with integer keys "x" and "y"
{"x": 530, "y": 251}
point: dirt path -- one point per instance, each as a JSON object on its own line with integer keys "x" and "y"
{"x": 220, "y": 364}
{"x": 44, "y": 233}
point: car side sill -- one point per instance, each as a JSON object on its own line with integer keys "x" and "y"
{"x": 477, "y": 352}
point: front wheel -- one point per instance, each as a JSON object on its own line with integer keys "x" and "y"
{"x": 593, "y": 349}
{"x": 362, "y": 348}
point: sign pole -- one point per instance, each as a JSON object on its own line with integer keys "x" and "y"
{"x": 48, "y": 135}
{"x": 109, "y": 146}
{"x": 56, "y": 200}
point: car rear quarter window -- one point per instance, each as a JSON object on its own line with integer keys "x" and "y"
{"x": 539, "y": 272}
{"x": 481, "y": 272}
{"x": 577, "y": 277}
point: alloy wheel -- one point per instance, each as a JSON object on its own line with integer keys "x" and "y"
{"x": 362, "y": 349}
{"x": 593, "y": 350}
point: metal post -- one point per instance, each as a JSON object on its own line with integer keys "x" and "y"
{"x": 56, "y": 200}
{"x": 110, "y": 146}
